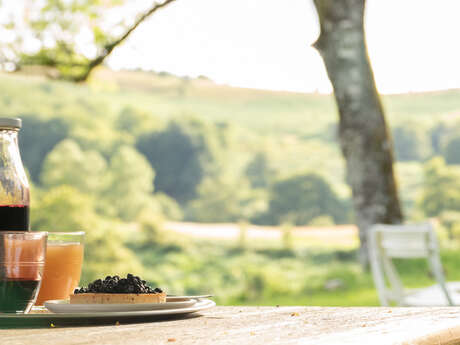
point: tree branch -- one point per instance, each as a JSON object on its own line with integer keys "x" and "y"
{"x": 108, "y": 48}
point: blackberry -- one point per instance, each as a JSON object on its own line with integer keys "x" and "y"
{"x": 115, "y": 284}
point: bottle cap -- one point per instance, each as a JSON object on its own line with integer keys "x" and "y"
{"x": 10, "y": 123}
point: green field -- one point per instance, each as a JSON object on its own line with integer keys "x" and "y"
{"x": 272, "y": 273}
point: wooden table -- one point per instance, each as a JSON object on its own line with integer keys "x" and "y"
{"x": 264, "y": 325}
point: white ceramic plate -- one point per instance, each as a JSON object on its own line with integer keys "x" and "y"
{"x": 63, "y": 306}
{"x": 176, "y": 298}
{"x": 198, "y": 306}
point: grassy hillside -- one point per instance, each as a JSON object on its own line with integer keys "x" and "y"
{"x": 306, "y": 115}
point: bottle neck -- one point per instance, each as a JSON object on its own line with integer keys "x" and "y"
{"x": 14, "y": 186}
{"x": 9, "y": 150}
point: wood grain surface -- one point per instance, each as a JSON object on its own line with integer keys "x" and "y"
{"x": 261, "y": 325}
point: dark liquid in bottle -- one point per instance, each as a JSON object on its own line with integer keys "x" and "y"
{"x": 17, "y": 294}
{"x": 14, "y": 218}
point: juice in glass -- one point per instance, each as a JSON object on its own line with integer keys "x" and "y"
{"x": 62, "y": 268}
{"x": 22, "y": 259}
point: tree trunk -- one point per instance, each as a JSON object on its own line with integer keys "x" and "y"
{"x": 363, "y": 133}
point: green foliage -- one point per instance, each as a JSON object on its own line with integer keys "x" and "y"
{"x": 182, "y": 155}
{"x": 259, "y": 172}
{"x": 63, "y": 208}
{"x": 322, "y": 221}
{"x": 107, "y": 253}
{"x": 125, "y": 185}
{"x": 242, "y": 241}
{"x": 224, "y": 199}
{"x": 437, "y": 135}
{"x": 287, "y": 237}
{"x": 38, "y": 137}
{"x": 57, "y": 27}
{"x": 410, "y": 181}
{"x": 69, "y": 64}
{"x": 411, "y": 142}
{"x": 451, "y": 150}
{"x": 302, "y": 198}
{"x": 94, "y": 132}
{"x": 441, "y": 190}
{"x": 135, "y": 122}
{"x": 169, "y": 207}
{"x": 129, "y": 187}
{"x": 68, "y": 164}
{"x": 153, "y": 236}
{"x": 252, "y": 277}
{"x": 450, "y": 221}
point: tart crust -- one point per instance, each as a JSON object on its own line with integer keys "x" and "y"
{"x": 117, "y": 298}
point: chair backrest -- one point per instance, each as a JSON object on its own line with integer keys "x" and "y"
{"x": 402, "y": 241}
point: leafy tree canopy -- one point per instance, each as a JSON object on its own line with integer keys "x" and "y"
{"x": 130, "y": 183}
{"x": 437, "y": 135}
{"x": 451, "y": 150}
{"x": 301, "y": 198}
{"x": 64, "y": 208}
{"x": 441, "y": 190}
{"x": 37, "y": 138}
{"x": 258, "y": 171}
{"x": 134, "y": 122}
{"x": 182, "y": 155}
{"x": 69, "y": 37}
{"x": 68, "y": 164}
{"x": 224, "y": 199}
{"x": 411, "y": 143}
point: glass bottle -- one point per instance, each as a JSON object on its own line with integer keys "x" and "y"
{"x": 14, "y": 186}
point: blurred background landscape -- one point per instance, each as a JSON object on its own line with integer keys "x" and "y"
{"x": 201, "y": 187}
{"x": 93, "y": 151}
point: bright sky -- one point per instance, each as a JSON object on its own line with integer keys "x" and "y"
{"x": 413, "y": 44}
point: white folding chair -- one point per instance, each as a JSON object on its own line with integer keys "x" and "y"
{"x": 389, "y": 242}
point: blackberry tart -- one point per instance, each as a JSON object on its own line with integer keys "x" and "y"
{"x": 116, "y": 290}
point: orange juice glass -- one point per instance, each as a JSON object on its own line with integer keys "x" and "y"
{"x": 64, "y": 259}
